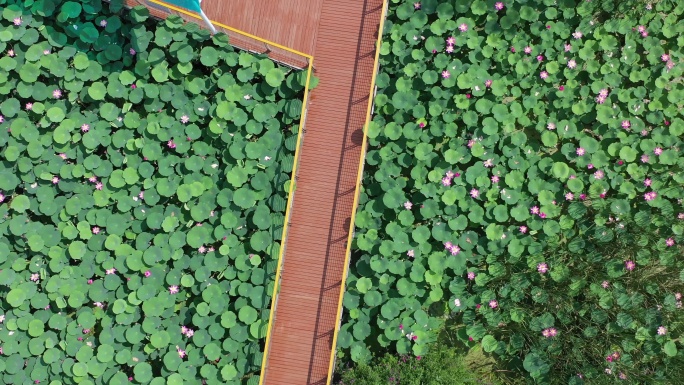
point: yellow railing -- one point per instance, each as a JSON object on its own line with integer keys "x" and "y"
{"x": 356, "y": 191}
{"x": 294, "y": 167}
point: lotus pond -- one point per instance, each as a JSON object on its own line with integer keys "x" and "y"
{"x": 524, "y": 189}
{"x": 144, "y": 170}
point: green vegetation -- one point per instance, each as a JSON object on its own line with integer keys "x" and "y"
{"x": 144, "y": 170}
{"x": 524, "y": 189}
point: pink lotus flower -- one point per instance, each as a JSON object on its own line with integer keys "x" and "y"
{"x": 644, "y": 132}
{"x": 580, "y": 151}
{"x": 498, "y": 5}
{"x": 678, "y": 296}
{"x": 542, "y": 268}
{"x": 96, "y": 230}
{"x": 626, "y": 124}
{"x": 645, "y": 158}
{"x": 568, "y": 47}
{"x": 649, "y": 196}
{"x": 171, "y": 144}
{"x": 93, "y": 179}
{"x": 540, "y": 58}
{"x": 600, "y": 99}
{"x": 577, "y": 35}
{"x": 527, "y": 50}
{"x": 542, "y": 215}
{"x": 583, "y": 196}
{"x": 57, "y": 93}
{"x": 495, "y": 179}
{"x": 98, "y": 304}
{"x": 630, "y": 265}
{"x": 523, "y": 229}
{"x": 445, "y": 74}
{"x": 449, "y": 49}
{"x": 553, "y": 332}
{"x": 670, "y": 242}
{"x": 148, "y": 274}
{"x": 647, "y": 182}
{"x": 603, "y": 92}
{"x": 662, "y": 331}
{"x": 641, "y": 28}
{"x": 416, "y": 5}
{"x": 590, "y": 166}
{"x": 184, "y": 119}
{"x": 202, "y": 249}
{"x": 609, "y": 358}
{"x": 189, "y": 333}
{"x": 534, "y": 210}
{"x": 467, "y": 96}
{"x": 131, "y": 51}
{"x": 90, "y": 282}
{"x": 421, "y": 124}
{"x": 463, "y": 27}
{"x": 446, "y": 181}
{"x": 110, "y": 271}
{"x": 451, "y": 40}
{"x": 10, "y": 53}
{"x": 181, "y": 352}
{"x": 55, "y": 180}
{"x": 414, "y": 338}
{"x": 599, "y": 174}
{"x": 455, "y": 250}
{"x": 561, "y": 88}
{"x": 513, "y": 49}
{"x": 448, "y": 245}
{"x": 670, "y": 65}
{"x": 658, "y": 151}
{"x": 546, "y": 333}
{"x": 173, "y": 289}
{"x": 644, "y": 34}
{"x": 85, "y": 128}
{"x": 551, "y": 126}
{"x": 411, "y": 253}
{"x": 572, "y": 64}
{"x": 474, "y": 193}
{"x": 408, "y": 205}
{"x": 98, "y": 186}
{"x": 471, "y": 275}
{"x": 605, "y": 284}
{"x": 488, "y": 83}
{"x": 543, "y": 74}
{"x": 665, "y": 57}
{"x": 29, "y": 106}
{"x": 35, "y": 277}
{"x": 493, "y": 304}
{"x": 17, "y": 21}
{"x": 569, "y": 196}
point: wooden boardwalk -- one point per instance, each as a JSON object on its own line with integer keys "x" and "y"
{"x": 342, "y": 37}
{"x": 314, "y": 261}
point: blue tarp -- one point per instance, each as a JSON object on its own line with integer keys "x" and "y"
{"x": 191, "y": 5}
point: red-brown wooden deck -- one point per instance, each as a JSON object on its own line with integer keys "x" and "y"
{"x": 306, "y": 313}
{"x": 341, "y": 35}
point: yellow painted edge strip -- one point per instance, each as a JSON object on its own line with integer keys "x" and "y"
{"x": 196, "y": 16}
{"x": 356, "y": 192}
{"x": 287, "y": 220}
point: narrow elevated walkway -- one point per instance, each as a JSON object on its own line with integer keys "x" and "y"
{"x": 314, "y": 262}
{"x": 342, "y": 37}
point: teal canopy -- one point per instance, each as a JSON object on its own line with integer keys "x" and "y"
{"x": 191, "y": 5}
